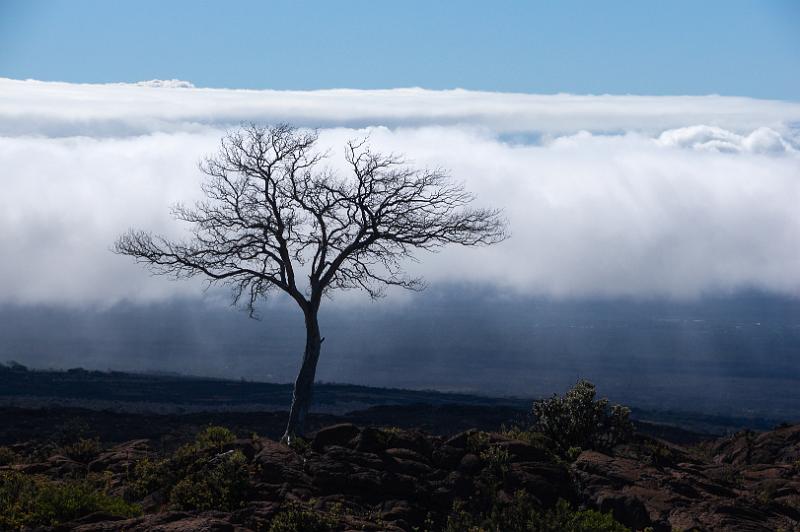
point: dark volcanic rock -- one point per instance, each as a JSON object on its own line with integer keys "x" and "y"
{"x": 682, "y": 496}
{"x": 547, "y": 482}
{"x": 121, "y": 458}
{"x": 340, "y": 435}
{"x": 278, "y": 464}
{"x": 523, "y": 451}
{"x": 391, "y": 479}
{"x": 780, "y": 446}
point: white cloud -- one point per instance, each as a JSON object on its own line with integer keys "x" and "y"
{"x": 761, "y": 140}
{"x": 633, "y": 196}
{"x": 47, "y": 108}
{"x": 166, "y": 83}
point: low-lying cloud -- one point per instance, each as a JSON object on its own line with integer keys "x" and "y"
{"x": 605, "y": 195}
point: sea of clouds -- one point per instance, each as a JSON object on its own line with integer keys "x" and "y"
{"x": 634, "y": 196}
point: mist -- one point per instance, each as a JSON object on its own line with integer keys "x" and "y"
{"x": 606, "y": 196}
{"x": 716, "y": 355}
{"x": 653, "y": 242}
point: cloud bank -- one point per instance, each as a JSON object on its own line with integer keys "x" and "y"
{"x": 605, "y": 195}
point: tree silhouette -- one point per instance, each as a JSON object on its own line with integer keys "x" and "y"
{"x": 274, "y": 218}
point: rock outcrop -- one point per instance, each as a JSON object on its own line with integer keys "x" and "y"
{"x": 391, "y": 479}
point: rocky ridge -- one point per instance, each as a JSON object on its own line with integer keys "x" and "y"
{"x": 365, "y": 478}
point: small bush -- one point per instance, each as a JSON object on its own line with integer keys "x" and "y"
{"x": 221, "y": 483}
{"x": 214, "y": 437}
{"x": 657, "y": 453}
{"x": 577, "y": 420}
{"x": 573, "y": 453}
{"x": 300, "y": 445}
{"x": 477, "y": 441}
{"x": 522, "y": 515}
{"x": 84, "y": 450}
{"x": 498, "y": 459}
{"x": 7, "y": 456}
{"x": 149, "y": 476}
{"x": 197, "y": 476}
{"x": 295, "y": 518}
{"x": 26, "y": 501}
{"x": 72, "y": 430}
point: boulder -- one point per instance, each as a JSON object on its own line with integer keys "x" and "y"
{"x": 340, "y": 435}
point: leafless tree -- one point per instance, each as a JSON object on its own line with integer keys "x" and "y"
{"x": 275, "y": 218}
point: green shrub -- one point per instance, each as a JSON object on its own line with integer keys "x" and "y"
{"x": 197, "y": 476}
{"x": 27, "y": 501}
{"x": 497, "y": 458}
{"x": 477, "y": 441}
{"x": 220, "y": 483}
{"x": 296, "y": 518}
{"x": 149, "y": 476}
{"x": 84, "y": 450}
{"x": 577, "y": 420}
{"x": 72, "y": 430}
{"x": 214, "y": 437}
{"x": 460, "y": 520}
{"x": 573, "y": 453}
{"x": 657, "y": 453}
{"x": 7, "y": 456}
{"x": 300, "y": 445}
{"x": 522, "y": 515}
{"x": 563, "y": 518}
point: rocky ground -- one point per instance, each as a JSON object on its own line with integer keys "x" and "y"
{"x": 349, "y": 477}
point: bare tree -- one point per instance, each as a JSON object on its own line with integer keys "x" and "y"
{"x": 275, "y": 218}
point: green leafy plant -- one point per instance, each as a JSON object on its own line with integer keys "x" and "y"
{"x": 198, "y": 475}
{"x": 658, "y": 453}
{"x": 572, "y": 453}
{"x": 28, "y": 501}
{"x": 150, "y": 475}
{"x": 296, "y": 518}
{"x": 522, "y": 515}
{"x": 220, "y": 483}
{"x": 578, "y": 420}
{"x": 477, "y": 441}
{"x": 84, "y": 450}
{"x": 214, "y": 437}
{"x": 497, "y": 458}
{"x": 7, "y": 456}
{"x": 300, "y": 445}
{"x": 72, "y": 430}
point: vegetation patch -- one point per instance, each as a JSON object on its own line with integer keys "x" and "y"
{"x": 84, "y": 450}
{"x": 522, "y": 515}
{"x": 576, "y": 419}
{"x": 7, "y": 456}
{"x": 296, "y": 518}
{"x": 220, "y": 483}
{"x": 214, "y": 437}
{"x": 198, "y": 476}
{"x": 27, "y": 501}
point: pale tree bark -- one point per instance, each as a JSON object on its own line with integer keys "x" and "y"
{"x": 303, "y": 385}
{"x": 274, "y": 219}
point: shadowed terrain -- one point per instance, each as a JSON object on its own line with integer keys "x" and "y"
{"x": 456, "y": 463}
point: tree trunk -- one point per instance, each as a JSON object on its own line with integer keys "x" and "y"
{"x": 301, "y": 399}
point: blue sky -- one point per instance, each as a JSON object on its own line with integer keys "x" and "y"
{"x": 730, "y": 47}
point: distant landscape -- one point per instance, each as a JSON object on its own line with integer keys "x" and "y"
{"x": 712, "y": 357}
{"x": 83, "y": 391}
